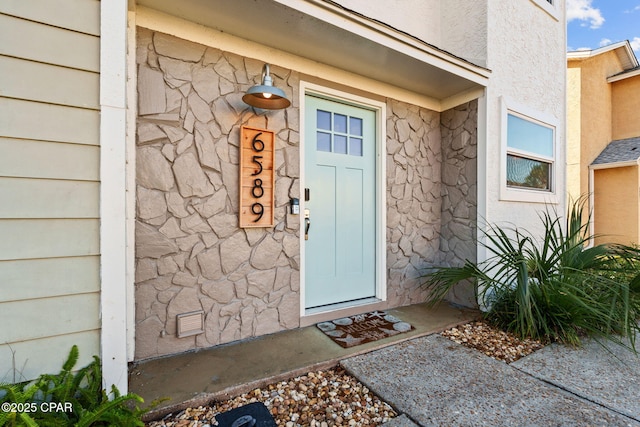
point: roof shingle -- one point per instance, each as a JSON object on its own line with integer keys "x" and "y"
{"x": 621, "y": 150}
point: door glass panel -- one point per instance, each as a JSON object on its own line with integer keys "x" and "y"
{"x": 355, "y": 126}
{"x": 340, "y": 123}
{"x": 324, "y": 120}
{"x": 324, "y": 141}
{"x": 355, "y": 146}
{"x": 340, "y": 144}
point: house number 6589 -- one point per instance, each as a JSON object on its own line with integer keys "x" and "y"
{"x": 257, "y": 158}
{"x": 257, "y": 190}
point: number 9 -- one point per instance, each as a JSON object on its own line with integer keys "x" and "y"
{"x": 257, "y": 209}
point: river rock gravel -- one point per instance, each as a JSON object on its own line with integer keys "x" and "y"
{"x": 492, "y": 341}
{"x": 321, "y": 398}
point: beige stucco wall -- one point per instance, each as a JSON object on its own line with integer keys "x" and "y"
{"x": 616, "y": 205}
{"x": 574, "y": 131}
{"x": 469, "y": 40}
{"x": 526, "y": 53}
{"x": 394, "y": 13}
{"x": 590, "y": 102}
{"x": 431, "y": 21}
{"x": 626, "y": 108}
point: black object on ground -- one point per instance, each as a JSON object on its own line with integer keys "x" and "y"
{"x": 251, "y": 415}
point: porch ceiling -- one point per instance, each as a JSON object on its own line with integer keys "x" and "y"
{"x": 324, "y": 32}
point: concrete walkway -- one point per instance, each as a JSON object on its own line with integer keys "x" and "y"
{"x": 196, "y": 378}
{"x": 430, "y": 380}
{"x": 433, "y": 381}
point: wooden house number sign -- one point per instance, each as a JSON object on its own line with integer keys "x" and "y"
{"x": 257, "y": 178}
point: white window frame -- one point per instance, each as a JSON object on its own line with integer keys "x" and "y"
{"x": 522, "y": 194}
{"x": 549, "y": 6}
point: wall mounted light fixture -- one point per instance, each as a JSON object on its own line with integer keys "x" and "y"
{"x": 266, "y": 95}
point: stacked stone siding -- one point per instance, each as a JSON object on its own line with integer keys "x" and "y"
{"x": 190, "y": 253}
{"x": 414, "y": 158}
{"x": 459, "y": 193}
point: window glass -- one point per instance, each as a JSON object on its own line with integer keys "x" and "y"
{"x": 340, "y": 123}
{"x": 340, "y": 144}
{"x": 355, "y": 146}
{"x": 324, "y": 120}
{"x": 355, "y": 126}
{"x": 529, "y": 136}
{"x": 339, "y": 133}
{"x": 528, "y": 173}
{"x": 323, "y": 141}
{"x": 530, "y": 154}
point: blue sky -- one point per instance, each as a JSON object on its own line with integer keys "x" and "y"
{"x": 595, "y": 23}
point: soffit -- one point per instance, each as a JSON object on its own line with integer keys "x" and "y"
{"x": 324, "y": 32}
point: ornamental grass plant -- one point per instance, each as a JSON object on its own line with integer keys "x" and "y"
{"x": 558, "y": 287}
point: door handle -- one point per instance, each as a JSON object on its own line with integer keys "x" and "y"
{"x": 307, "y": 224}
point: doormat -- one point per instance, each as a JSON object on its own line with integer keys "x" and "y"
{"x": 363, "y": 328}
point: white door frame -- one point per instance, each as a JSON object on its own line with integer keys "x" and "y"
{"x": 307, "y": 88}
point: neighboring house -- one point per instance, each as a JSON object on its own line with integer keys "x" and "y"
{"x": 120, "y": 128}
{"x": 603, "y": 121}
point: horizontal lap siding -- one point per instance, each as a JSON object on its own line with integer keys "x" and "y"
{"x": 45, "y": 355}
{"x": 48, "y": 122}
{"x": 47, "y": 198}
{"x": 44, "y": 159}
{"x": 49, "y": 184}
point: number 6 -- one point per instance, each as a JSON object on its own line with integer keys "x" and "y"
{"x": 255, "y": 141}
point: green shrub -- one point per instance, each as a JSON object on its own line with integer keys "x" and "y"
{"x": 557, "y": 288}
{"x": 69, "y": 399}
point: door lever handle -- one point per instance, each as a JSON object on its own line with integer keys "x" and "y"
{"x": 307, "y": 224}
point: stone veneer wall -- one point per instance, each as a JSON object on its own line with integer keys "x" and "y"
{"x": 190, "y": 253}
{"x": 414, "y": 158}
{"x": 459, "y": 127}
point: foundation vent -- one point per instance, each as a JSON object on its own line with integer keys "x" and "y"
{"x": 191, "y": 323}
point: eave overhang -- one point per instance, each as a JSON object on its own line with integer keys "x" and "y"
{"x": 324, "y": 32}
{"x": 622, "y": 49}
{"x": 634, "y": 72}
{"x": 614, "y": 165}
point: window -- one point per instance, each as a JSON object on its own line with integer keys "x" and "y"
{"x": 339, "y": 133}
{"x": 529, "y": 155}
{"x": 549, "y": 6}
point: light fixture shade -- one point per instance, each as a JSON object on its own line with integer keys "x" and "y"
{"x": 265, "y": 95}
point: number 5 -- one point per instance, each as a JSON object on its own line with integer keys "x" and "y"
{"x": 256, "y": 160}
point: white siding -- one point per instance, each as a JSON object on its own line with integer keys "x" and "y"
{"x": 44, "y": 159}
{"x": 49, "y": 184}
{"x": 48, "y": 122}
{"x": 23, "y": 79}
{"x": 48, "y": 44}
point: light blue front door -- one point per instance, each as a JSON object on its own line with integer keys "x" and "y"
{"x": 340, "y": 175}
